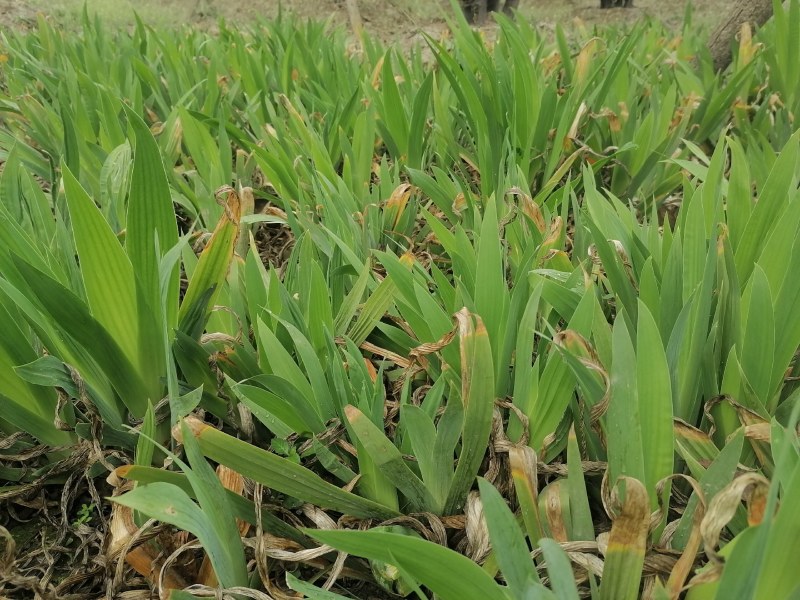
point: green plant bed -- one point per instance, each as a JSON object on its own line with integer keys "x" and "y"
{"x": 509, "y": 318}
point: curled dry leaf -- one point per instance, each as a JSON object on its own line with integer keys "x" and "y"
{"x": 400, "y": 361}
{"x": 397, "y": 202}
{"x": 523, "y": 464}
{"x": 478, "y": 543}
{"x": 459, "y": 203}
{"x": 7, "y": 559}
{"x": 529, "y": 207}
{"x": 556, "y": 229}
{"x": 195, "y": 425}
{"x": 572, "y": 135}
{"x": 758, "y": 426}
{"x": 418, "y": 353}
{"x": 724, "y": 506}
{"x": 760, "y": 432}
{"x": 124, "y": 532}
{"x": 628, "y": 504}
{"x": 631, "y": 515}
{"x": 757, "y": 505}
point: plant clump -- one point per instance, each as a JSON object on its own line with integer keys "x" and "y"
{"x": 283, "y": 318}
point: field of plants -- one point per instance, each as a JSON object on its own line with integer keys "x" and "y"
{"x": 286, "y": 313}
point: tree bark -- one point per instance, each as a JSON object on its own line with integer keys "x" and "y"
{"x": 476, "y": 11}
{"x": 510, "y": 6}
{"x": 755, "y": 12}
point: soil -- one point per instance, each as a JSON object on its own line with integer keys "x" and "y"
{"x": 390, "y": 20}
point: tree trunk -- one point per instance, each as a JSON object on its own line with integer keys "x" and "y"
{"x": 755, "y": 12}
{"x": 510, "y": 6}
{"x": 616, "y": 3}
{"x": 476, "y": 11}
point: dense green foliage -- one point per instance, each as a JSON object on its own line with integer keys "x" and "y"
{"x": 429, "y": 287}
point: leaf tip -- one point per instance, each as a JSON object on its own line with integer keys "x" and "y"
{"x": 195, "y": 425}
{"x": 117, "y": 475}
{"x": 351, "y": 412}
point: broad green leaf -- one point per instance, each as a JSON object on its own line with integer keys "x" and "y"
{"x": 172, "y": 505}
{"x": 241, "y": 508}
{"x": 654, "y": 394}
{"x": 508, "y": 543}
{"x": 787, "y": 329}
{"x": 778, "y": 578}
{"x": 275, "y": 413}
{"x": 314, "y": 371}
{"x": 281, "y": 474}
{"x": 281, "y": 363}
{"x": 29, "y": 421}
{"x": 225, "y": 551}
{"x": 373, "y": 310}
{"x": 28, "y": 394}
{"x": 771, "y": 202}
{"x": 150, "y": 217}
{"x": 72, "y": 315}
{"x": 477, "y": 396}
{"x": 107, "y": 272}
{"x": 758, "y": 340}
{"x": 739, "y": 203}
{"x": 491, "y": 292}
{"x": 525, "y": 375}
{"x": 434, "y": 565}
{"x": 423, "y": 436}
{"x": 145, "y": 448}
{"x": 212, "y": 269}
{"x": 562, "y": 579}
{"x": 623, "y": 419}
{"x": 390, "y": 461}
{"x": 582, "y": 527}
{"x": 309, "y": 591}
{"x": 332, "y": 463}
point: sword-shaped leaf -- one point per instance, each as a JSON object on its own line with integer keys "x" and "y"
{"x": 211, "y": 270}
{"x": 477, "y": 396}
{"x": 451, "y": 576}
{"x": 622, "y": 572}
{"x": 390, "y": 461}
{"x": 281, "y": 474}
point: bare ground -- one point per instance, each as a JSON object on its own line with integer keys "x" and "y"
{"x": 391, "y": 20}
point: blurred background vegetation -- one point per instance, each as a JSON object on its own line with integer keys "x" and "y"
{"x": 389, "y": 19}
